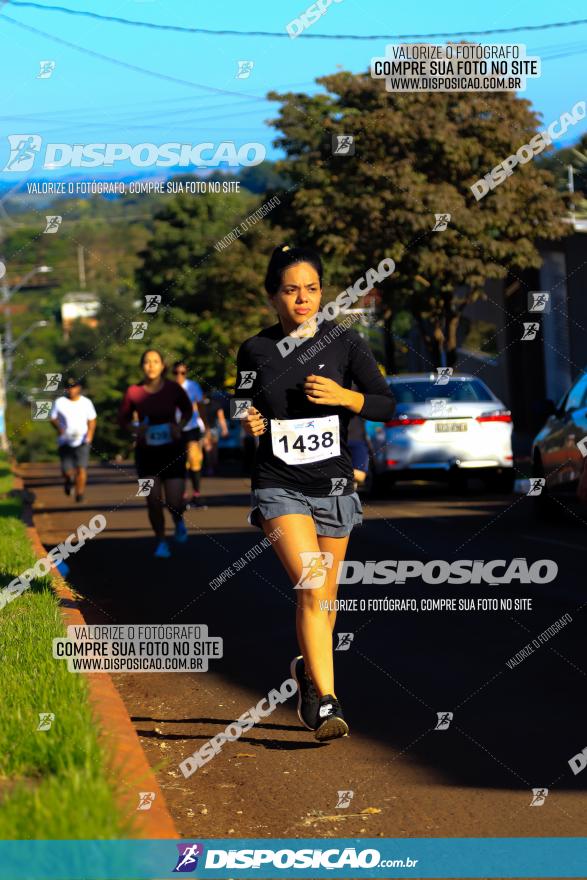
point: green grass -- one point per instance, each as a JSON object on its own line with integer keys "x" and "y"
{"x": 5, "y": 477}
{"x": 53, "y": 784}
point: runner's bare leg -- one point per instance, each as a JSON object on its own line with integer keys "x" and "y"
{"x": 174, "y": 489}
{"x": 81, "y": 477}
{"x": 69, "y": 475}
{"x": 312, "y": 622}
{"x": 155, "y": 509}
{"x": 338, "y": 548}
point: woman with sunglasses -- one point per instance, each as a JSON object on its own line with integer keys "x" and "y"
{"x": 302, "y": 402}
{"x": 159, "y": 451}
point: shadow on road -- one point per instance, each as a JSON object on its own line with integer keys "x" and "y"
{"x": 511, "y": 728}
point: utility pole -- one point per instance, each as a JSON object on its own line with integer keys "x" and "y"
{"x": 7, "y": 317}
{"x": 4, "y": 444}
{"x": 81, "y": 267}
{"x": 571, "y": 188}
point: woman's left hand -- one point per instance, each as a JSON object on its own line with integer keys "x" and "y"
{"x": 320, "y": 389}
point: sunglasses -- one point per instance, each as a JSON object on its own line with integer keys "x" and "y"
{"x": 179, "y": 372}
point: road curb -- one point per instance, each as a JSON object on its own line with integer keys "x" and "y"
{"x": 127, "y": 763}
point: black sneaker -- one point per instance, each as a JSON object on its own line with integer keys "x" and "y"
{"x": 79, "y": 498}
{"x": 67, "y": 486}
{"x": 308, "y": 698}
{"x": 331, "y": 723}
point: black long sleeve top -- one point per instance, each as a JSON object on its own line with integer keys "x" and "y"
{"x": 275, "y": 384}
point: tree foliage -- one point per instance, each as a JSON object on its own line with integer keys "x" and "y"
{"x": 217, "y": 291}
{"x": 417, "y": 155}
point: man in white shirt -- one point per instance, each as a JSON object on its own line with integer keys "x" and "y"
{"x": 74, "y": 418}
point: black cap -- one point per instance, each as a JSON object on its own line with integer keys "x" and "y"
{"x": 72, "y": 382}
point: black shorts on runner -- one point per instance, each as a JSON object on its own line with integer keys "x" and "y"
{"x": 166, "y": 462}
{"x": 74, "y": 456}
{"x": 192, "y": 436}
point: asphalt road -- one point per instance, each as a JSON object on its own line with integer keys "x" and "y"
{"x": 512, "y": 729}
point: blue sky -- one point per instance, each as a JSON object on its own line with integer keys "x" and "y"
{"x": 89, "y": 99}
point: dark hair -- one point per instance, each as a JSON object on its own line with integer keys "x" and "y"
{"x": 285, "y": 256}
{"x": 179, "y": 364}
{"x": 156, "y": 350}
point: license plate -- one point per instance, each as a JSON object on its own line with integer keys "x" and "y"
{"x": 444, "y": 427}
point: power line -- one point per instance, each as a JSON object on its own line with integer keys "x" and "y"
{"x": 187, "y": 117}
{"x": 128, "y": 66}
{"x": 183, "y": 112}
{"x": 282, "y": 34}
{"x": 565, "y": 54}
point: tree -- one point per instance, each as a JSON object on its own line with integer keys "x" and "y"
{"x": 417, "y": 155}
{"x": 261, "y": 178}
{"x": 558, "y": 162}
{"x": 208, "y": 282}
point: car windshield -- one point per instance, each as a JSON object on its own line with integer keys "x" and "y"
{"x": 465, "y": 391}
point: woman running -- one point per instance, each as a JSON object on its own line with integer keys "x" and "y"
{"x": 160, "y": 451}
{"x": 303, "y": 474}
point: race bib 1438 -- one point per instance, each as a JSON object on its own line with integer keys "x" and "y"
{"x": 302, "y": 441}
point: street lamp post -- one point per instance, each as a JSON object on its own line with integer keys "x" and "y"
{"x": 36, "y": 363}
{"x": 6, "y": 369}
{"x": 7, "y": 294}
{"x": 10, "y": 347}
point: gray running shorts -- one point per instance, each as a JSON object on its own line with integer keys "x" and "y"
{"x": 334, "y": 515}
{"x": 73, "y": 457}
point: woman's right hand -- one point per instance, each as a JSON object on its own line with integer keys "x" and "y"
{"x": 138, "y": 432}
{"x": 207, "y": 443}
{"x": 254, "y": 423}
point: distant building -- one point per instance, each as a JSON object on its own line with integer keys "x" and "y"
{"x": 82, "y": 306}
{"x": 546, "y": 368}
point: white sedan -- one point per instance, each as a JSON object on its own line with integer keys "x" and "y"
{"x": 444, "y": 430}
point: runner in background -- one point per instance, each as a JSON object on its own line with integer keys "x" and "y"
{"x": 217, "y": 407}
{"x": 303, "y": 474}
{"x": 74, "y": 418}
{"x": 160, "y": 453}
{"x": 359, "y": 447}
{"x": 193, "y": 433}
